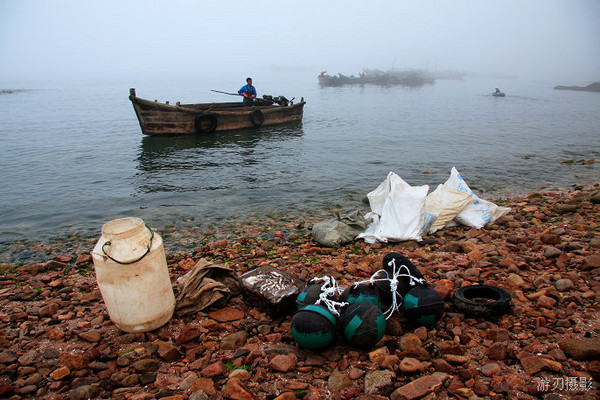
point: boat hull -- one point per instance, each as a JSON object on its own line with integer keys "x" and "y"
{"x": 157, "y": 118}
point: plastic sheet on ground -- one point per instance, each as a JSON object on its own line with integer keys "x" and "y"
{"x": 401, "y": 212}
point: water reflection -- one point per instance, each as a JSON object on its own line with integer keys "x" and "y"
{"x": 211, "y": 162}
{"x": 158, "y": 146}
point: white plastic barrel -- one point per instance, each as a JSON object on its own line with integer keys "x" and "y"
{"x": 132, "y": 274}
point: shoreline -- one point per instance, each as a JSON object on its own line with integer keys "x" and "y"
{"x": 57, "y": 341}
{"x": 23, "y": 251}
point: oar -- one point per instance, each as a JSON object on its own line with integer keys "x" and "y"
{"x": 231, "y": 94}
{"x": 237, "y": 94}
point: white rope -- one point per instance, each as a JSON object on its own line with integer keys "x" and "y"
{"x": 396, "y": 298}
{"x": 329, "y": 289}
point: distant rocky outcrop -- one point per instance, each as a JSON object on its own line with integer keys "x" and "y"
{"x": 594, "y": 87}
{"x": 412, "y": 78}
{"x": 10, "y": 91}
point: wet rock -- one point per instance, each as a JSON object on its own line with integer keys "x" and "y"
{"x": 591, "y": 262}
{"x": 92, "y": 336}
{"x": 29, "y": 358}
{"x": 234, "y": 389}
{"x": 410, "y": 365}
{"x": 283, "y": 362}
{"x": 550, "y": 239}
{"x": 204, "y": 384}
{"x": 552, "y": 252}
{"x": 443, "y": 366}
{"x": 564, "y": 285}
{"x": 379, "y": 382}
{"x": 497, "y": 351}
{"x": 8, "y": 357}
{"x": 582, "y": 348}
{"x": 74, "y": 361}
{"x": 533, "y": 364}
{"x": 213, "y": 370}
{"x": 187, "y": 334}
{"x": 514, "y": 281}
{"x": 379, "y": 355}
{"x": 491, "y": 369}
{"x": 146, "y": 365}
{"x": 227, "y": 314}
{"x": 60, "y": 373}
{"x": 84, "y": 392}
{"x": 168, "y": 352}
{"x": 445, "y": 287}
{"x": 417, "y": 388}
{"x": 234, "y": 341}
{"x": 338, "y": 381}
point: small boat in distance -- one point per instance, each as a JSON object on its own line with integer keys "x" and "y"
{"x": 157, "y": 118}
{"x": 498, "y": 93}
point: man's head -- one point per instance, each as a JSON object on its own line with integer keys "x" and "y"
{"x": 249, "y": 81}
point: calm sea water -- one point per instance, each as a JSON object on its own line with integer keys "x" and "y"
{"x": 72, "y": 156}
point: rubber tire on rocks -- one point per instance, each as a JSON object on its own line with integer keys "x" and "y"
{"x": 200, "y": 121}
{"x": 257, "y": 118}
{"x": 482, "y": 300}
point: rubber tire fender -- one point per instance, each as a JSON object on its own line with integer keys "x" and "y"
{"x": 482, "y": 300}
{"x": 257, "y": 118}
{"x": 201, "y": 120}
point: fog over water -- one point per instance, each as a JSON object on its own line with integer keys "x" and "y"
{"x": 534, "y": 39}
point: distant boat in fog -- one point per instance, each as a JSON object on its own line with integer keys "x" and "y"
{"x": 412, "y": 78}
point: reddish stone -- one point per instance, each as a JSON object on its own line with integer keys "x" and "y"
{"x": 533, "y": 364}
{"x": 443, "y": 366}
{"x": 227, "y": 314}
{"x": 497, "y": 351}
{"x": 204, "y": 384}
{"x": 60, "y": 373}
{"x": 417, "y": 388}
{"x": 213, "y": 370}
{"x": 188, "y": 333}
{"x": 445, "y": 287}
{"x": 283, "y": 363}
{"x": 83, "y": 258}
{"x": 591, "y": 262}
{"x": 481, "y": 389}
{"x": 64, "y": 258}
{"x": 73, "y": 361}
{"x": 582, "y": 348}
{"x": 491, "y": 369}
{"x": 234, "y": 389}
{"x": 168, "y": 352}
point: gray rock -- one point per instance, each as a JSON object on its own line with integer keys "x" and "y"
{"x": 379, "y": 382}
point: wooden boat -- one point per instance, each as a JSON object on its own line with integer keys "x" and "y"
{"x": 183, "y": 119}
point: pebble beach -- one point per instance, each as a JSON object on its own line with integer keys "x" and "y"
{"x": 58, "y": 342}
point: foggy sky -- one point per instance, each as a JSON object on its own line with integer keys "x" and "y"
{"x": 541, "y": 39}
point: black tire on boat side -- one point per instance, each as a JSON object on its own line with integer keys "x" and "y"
{"x": 482, "y": 300}
{"x": 206, "y": 123}
{"x": 257, "y": 118}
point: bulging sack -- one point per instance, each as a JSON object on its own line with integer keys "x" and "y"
{"x": 447, "y": 203}
{"x": 396, "y": 210}
{"x": 478, "y": 212}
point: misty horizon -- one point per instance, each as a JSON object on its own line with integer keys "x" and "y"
{"x": 553, "y": 40}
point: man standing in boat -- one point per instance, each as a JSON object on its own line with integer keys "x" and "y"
{"x": 249, "y": 92}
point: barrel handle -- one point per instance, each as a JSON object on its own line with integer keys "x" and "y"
{"x": 134, "y": 261}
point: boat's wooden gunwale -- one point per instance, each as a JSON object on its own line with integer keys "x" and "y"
{"x": 162, "y": 119}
